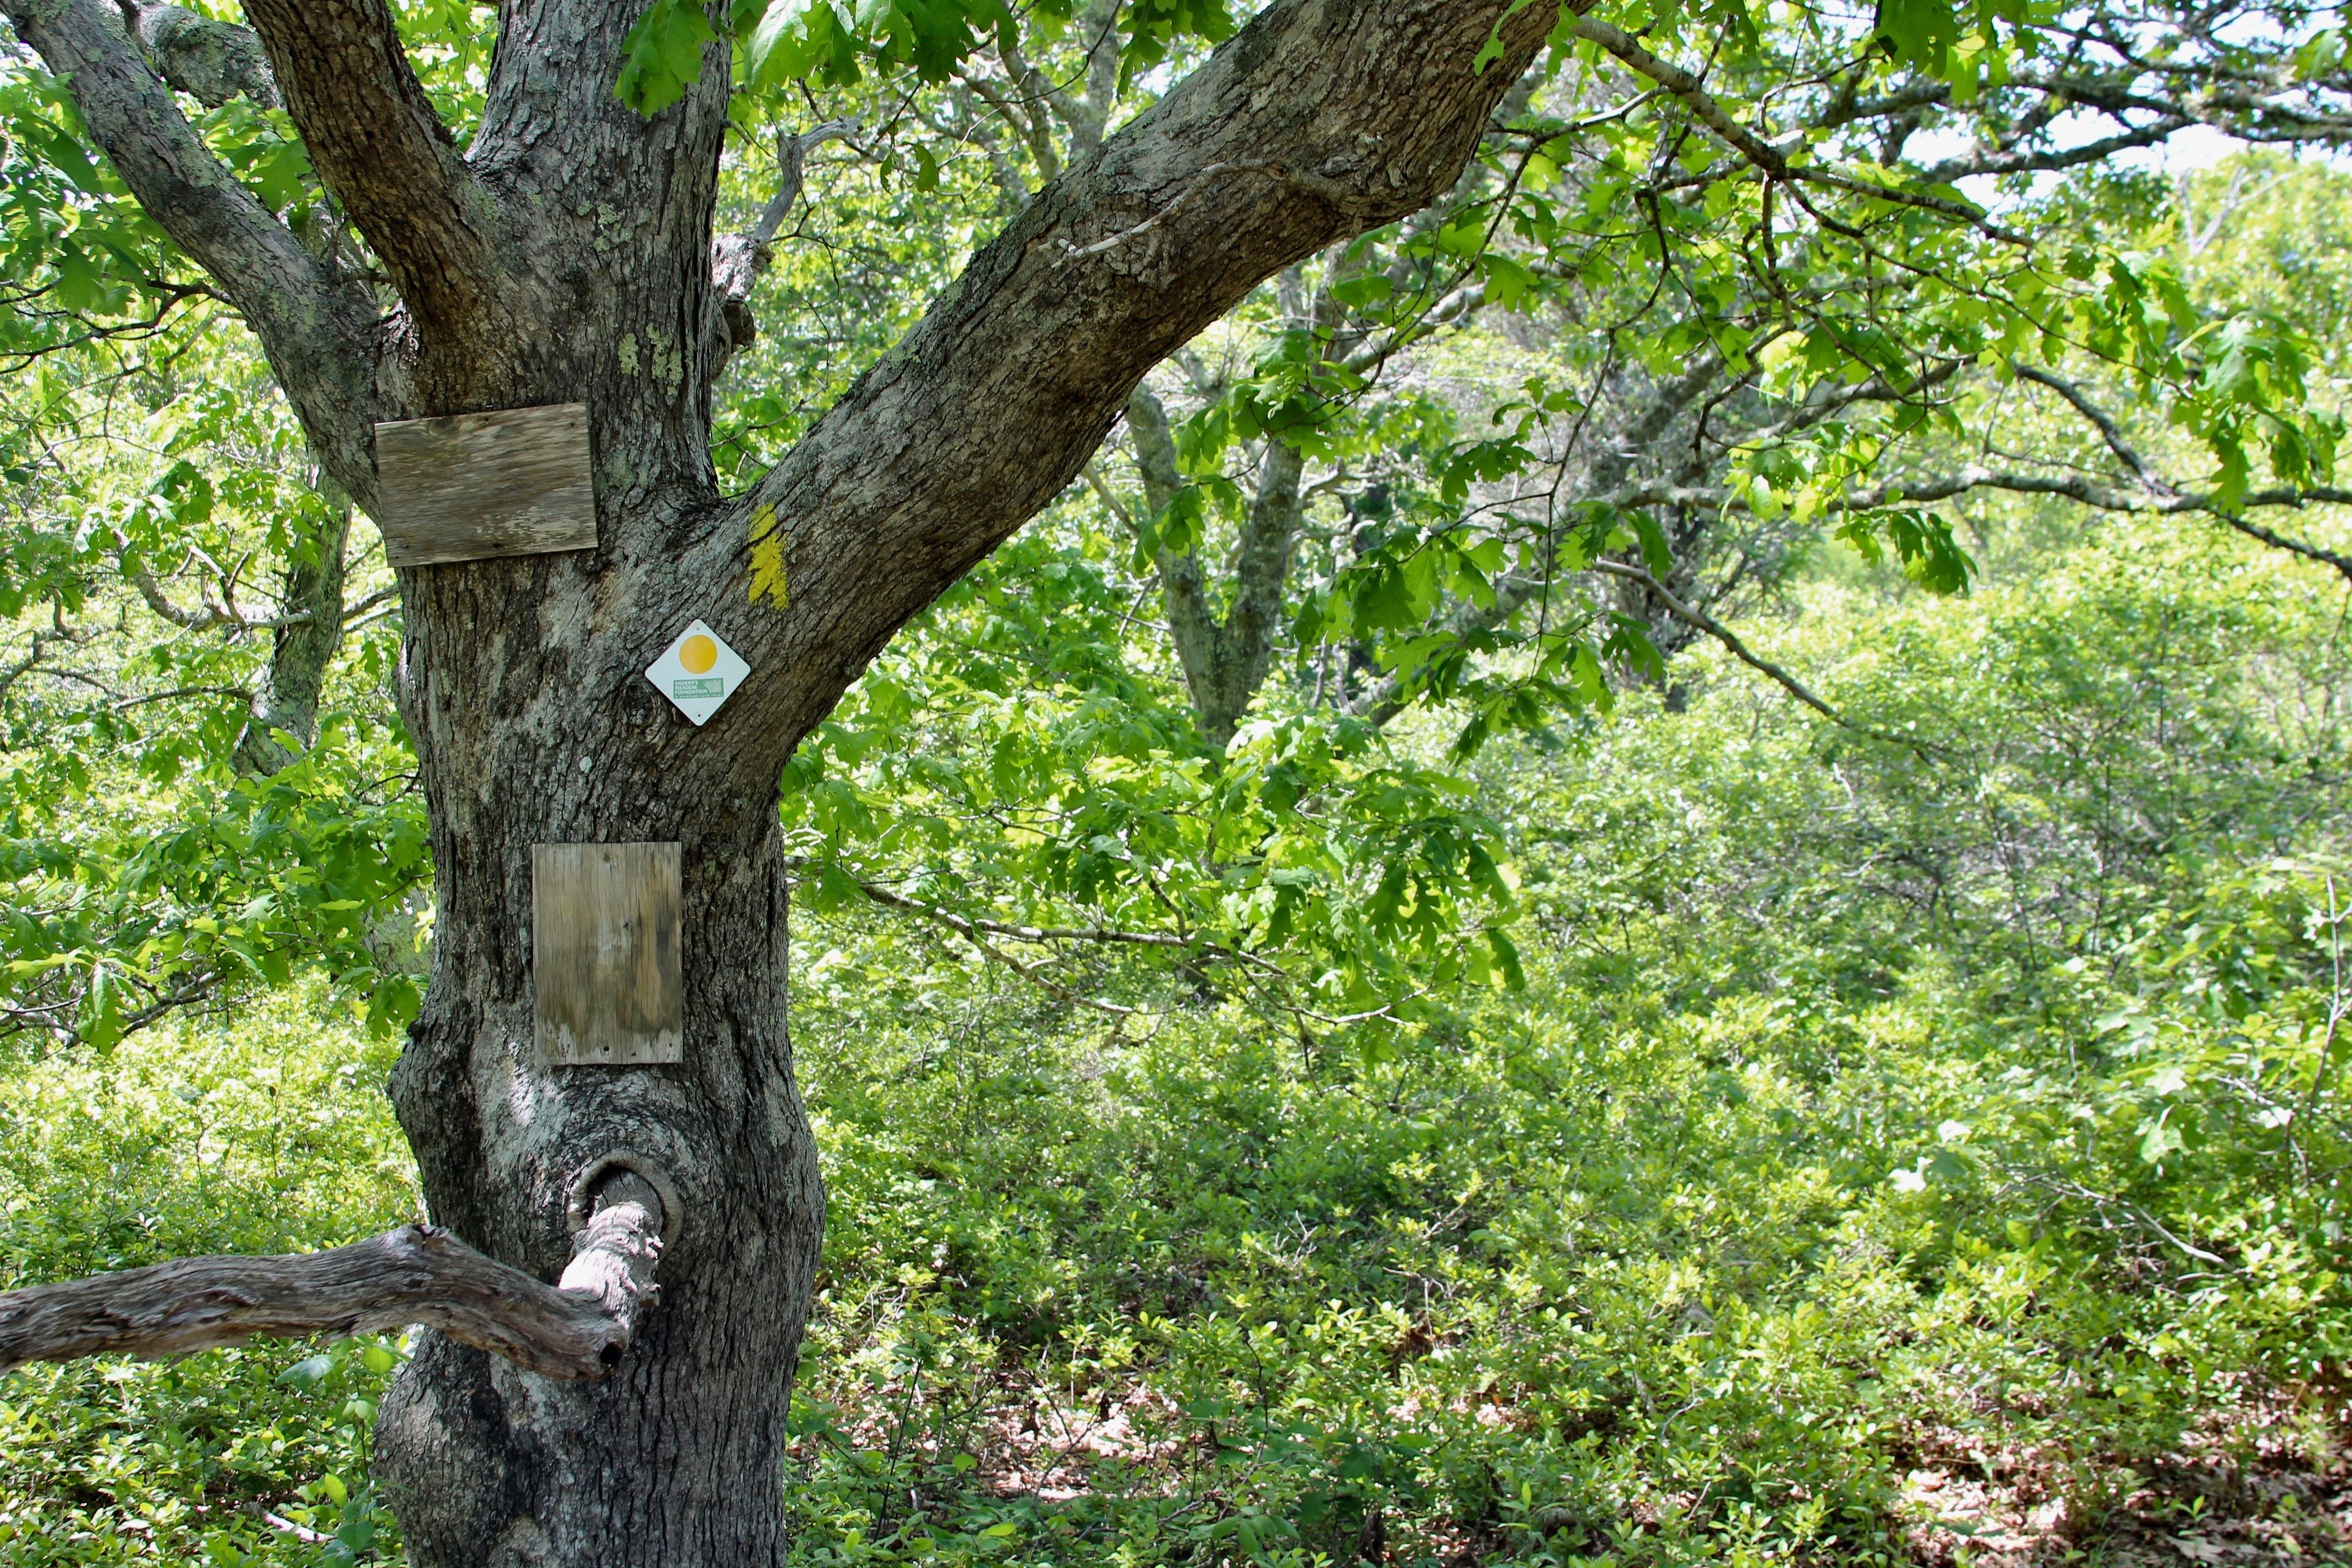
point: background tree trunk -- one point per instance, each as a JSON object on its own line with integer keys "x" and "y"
{"x": 287, "y": 698}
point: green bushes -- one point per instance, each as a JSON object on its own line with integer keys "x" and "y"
{"x": 1556, "y": 1293}
{"x": 1894, "y": 1148}
{"x": 267, "y": 1134}
{"x": 1897, "y": 1155}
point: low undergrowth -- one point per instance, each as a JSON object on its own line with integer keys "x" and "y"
{"x": 1744, "y": 1290}
{"x": 1899, "y": 1153}
{"x": 1916, "y": 1156}
{"x": 267, "y": 1133}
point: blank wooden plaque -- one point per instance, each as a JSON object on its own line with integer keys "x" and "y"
{"x": 604, "y": 953}
{"x": 472, "y": 486}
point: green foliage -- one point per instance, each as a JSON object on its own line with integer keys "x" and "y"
{"x": 1869, "y": 1122}
{"x": 835, "y": 41}
{"x": 269, "y": 1135}
{"x": 108, "y": 928}
{"x": 1526, "y": 1095}
{"x": 142, "y": 872}
{"x": 1891, "y": 1146}
{"x": 158, "y": 477}
{"x": 1056, "y": 772}
{"x": 2242, "y": 246}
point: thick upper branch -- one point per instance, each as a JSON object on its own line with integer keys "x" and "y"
{"x": 411, "y": 1274}
{"x": 317, "y": 328}
{"x": 1320, "y": 120}
{"x": 210, "y": 61}
{"x": 374, "y": 139}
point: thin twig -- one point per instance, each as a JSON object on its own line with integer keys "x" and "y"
{"x": 1702, "y": 621}
{"x": 974, "y": 932}
{"x": 1774, "y": 163}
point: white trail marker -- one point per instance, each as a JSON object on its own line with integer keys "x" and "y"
{"x": 697, "y": 672}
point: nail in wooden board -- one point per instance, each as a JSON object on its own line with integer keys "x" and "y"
{"x": 605, "y": 955}
{"x": 472, "y": 486}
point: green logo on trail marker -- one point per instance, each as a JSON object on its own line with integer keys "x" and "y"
{"x": 697, "y": 672}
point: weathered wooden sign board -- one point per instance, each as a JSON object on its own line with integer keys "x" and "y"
{"x": 473, "y": 485}
{"x": 604, "y": 953}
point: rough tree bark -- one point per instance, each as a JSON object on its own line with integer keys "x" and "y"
{"x": 411, "y": 1274}
{"x": 564, "y": 255}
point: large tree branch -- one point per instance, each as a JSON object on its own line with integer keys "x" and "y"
{"x": 285, "y": 699}
{"x": 2176, "y": 98}
{"x": 2100, "y": 420}
{"x": 315, "y": 328}
{"x": 1225, "y": 661}
{"x": 2078, "y": 487}
{"x": 374, "y": 139}
{"x": 2021, "y": 160}
{"x": 2107, "y": 498}
{"x": 411, "y": 1274}
{"x": 1320, "y": 120}
{"x": 2163, "y": 495}
{"x": 210, "y": 61}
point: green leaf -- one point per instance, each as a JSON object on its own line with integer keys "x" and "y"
{"x": 663, "y": 54}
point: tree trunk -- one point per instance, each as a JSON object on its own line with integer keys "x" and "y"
{"x": 520, "y": 682}
{"x": 287, "y": 699}
{"x": 677, "y": 1457}
{"x": 564, "y": 256}
{"x": 1225, "y": 661}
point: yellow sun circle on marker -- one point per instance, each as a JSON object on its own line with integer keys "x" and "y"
{"x": 698, "y": 654}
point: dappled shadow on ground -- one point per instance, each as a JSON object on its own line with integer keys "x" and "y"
{"x": 1010, "y": 1457}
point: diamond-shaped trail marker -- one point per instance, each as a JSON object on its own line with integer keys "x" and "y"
{"x": 697, "y": 672}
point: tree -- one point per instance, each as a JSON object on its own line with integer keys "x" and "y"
{"x": 1823, "y": 302}
{"x": 564, "y": 255}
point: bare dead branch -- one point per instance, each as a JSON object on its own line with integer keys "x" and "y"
{"x": 792, "y": 158}
{"x": 410, "y": 1274}
{"x": 1018, "y": 373}
{"x": 738, "y": 261}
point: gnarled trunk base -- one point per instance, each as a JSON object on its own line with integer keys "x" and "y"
{"x": 677, "y": 1457}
